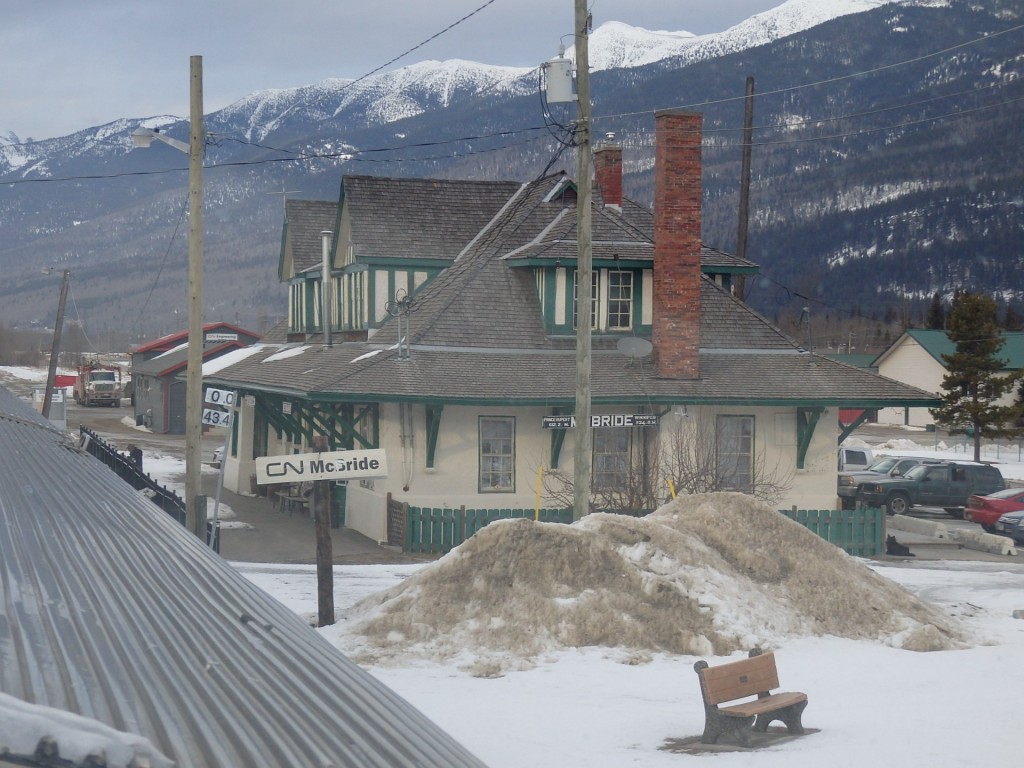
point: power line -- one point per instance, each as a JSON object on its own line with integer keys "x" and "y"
{"x": 419, "y": 45}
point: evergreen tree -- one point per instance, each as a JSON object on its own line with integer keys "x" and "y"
{"x": 973, "y": 383}
{"x": 1011, "y": 320}
{"x": 936, "y": 313}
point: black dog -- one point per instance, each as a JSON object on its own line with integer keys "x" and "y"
{"x": 893, "y": 547}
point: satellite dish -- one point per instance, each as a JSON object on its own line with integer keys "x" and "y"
{"x": 634, "y": 347}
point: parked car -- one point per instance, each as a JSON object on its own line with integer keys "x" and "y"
{"x": 1012, "y": 525}
{"x": 985, "y": 510}
{"x": 855, "y": 459}
{"x": 945, "y": 484}
{"x": 848, "y": 484}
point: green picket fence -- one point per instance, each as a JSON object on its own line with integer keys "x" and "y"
{"x": 861, "y": 532}
{"x": 437, "y": 531}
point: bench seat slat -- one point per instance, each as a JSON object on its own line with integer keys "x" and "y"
{"x": 766, "y": 704}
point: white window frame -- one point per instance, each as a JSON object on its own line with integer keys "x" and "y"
{"x": 611, "y": 458}
{"x": 625, "y": 286}
{"x": 496, "y": 455}
{"x": 734, "y": 453}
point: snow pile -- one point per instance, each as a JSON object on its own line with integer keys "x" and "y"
{"x": 704, "y": 575}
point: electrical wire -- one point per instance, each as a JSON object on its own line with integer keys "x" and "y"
{"x": 163, "y": 261}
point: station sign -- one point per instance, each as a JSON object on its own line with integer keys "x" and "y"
{"x": 214, "y": 418}
{"x": 225, "y": 397}
{"x": 329, "y": 465}
{"x": 603, "y": 420}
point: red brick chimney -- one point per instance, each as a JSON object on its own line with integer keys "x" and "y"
{"x": 677, "y": 202}
{"x": 608, "y": 173}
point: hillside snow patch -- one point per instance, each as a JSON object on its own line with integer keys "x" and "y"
{"x": 704, "y": 575}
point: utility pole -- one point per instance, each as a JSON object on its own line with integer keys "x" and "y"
{"x": 325, "y": 285}
{"x": 583, "y": 444}
{"x": 195, "y": 517}
{"x": 748, "y": 139}
{"x": 324, "y": 546}
{"x": 51, "y": 375}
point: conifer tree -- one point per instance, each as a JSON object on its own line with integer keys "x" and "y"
{"x": 974, "y": 380}
{"x": 936, "y": 313}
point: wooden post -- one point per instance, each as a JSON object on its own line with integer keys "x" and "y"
{"x": 324, "y": 550}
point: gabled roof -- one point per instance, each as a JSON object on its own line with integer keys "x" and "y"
{"x": 421, "y": 218}
{"x": 176, "y": 360}
{"x": 301, "y": 240}
{"x": 937, "y": 343}
{"x": 477, "y": 335}
{"x": 174, "y": 339}
{"x": 111, "y": 610}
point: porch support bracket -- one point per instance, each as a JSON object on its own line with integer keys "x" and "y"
{"x": 806, "y": 423}
{"x": 845, "y": 432}
{"x": 434, "y": 412}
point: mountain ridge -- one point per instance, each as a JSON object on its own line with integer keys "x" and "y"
{"x": 823, "y": 209}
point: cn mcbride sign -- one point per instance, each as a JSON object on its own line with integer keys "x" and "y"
{"x": 603, "y": 420}
{"x": 330, "y": 465}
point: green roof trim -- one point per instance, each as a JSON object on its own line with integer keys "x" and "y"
{"x": 569, "y": 402}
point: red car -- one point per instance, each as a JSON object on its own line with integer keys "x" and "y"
{"x": 986, "y": 510}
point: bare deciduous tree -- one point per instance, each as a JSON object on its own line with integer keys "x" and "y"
{"x": 686, "y": 459}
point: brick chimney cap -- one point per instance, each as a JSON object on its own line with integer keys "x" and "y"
{"x": 676, "y": 112}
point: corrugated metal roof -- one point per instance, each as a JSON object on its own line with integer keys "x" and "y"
{"x": 111, "y": 610}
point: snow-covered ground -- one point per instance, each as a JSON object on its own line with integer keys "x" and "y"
{"x": 870, "y": 704}
{"x": 556, "y": 705}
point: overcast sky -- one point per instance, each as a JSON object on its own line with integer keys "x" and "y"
{"x": 73, "y": 64}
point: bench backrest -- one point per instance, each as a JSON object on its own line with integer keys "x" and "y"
{"x": 739, "y": 679}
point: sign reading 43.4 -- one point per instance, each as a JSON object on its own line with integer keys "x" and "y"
{"x": 216, "y": 418}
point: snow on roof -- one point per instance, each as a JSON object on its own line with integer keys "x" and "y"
{"x": 24, "y": 726}
{"x": 284, "y": 354}
{"x": 211, "y": 367}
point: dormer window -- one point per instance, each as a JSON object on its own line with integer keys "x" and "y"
{"x": 612, "y": 297}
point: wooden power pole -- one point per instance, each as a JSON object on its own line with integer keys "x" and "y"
{"x": 583, "y": 442}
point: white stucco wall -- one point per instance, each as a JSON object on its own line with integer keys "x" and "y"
{"x": 452, "y": 482}
{"x": 909, "y": 363}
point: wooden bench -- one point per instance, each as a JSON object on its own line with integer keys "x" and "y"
{"x": 735, "y": 680}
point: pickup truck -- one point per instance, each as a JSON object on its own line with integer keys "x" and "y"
{"x": 854, "y": 459}
{"x": 945, "y": 484}
{"x": 848, "y": 484}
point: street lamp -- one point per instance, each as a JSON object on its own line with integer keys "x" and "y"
{"x": 51, "y": 375}
{"x": 195, "y": 517}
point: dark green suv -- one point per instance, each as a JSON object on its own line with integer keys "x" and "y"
{"x": 944, "y": 484}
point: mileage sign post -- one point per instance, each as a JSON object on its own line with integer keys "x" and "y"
{"x": 320, "y": 468}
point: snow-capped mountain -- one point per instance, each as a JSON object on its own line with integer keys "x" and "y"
{"x": 899, "y": 184}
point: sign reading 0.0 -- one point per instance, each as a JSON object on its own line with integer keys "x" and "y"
{"x": 330, "y": 465}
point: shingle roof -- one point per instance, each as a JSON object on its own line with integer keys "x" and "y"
{"x": 743, "y": 359}
{"x": 426, "y": 218}
{"x": 111, "y": 610}
{"x": 305, "y": 221}
{"x": 477, "y": 332}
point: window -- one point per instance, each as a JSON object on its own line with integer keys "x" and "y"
{"x": 594, "y": 298}
{"x": 497, "y": 454}
{"x": 734, "y": 453}
{"x": 611, "y": 458}
{"x": 620, "y": 300}
{"x": 611, "y": 299}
